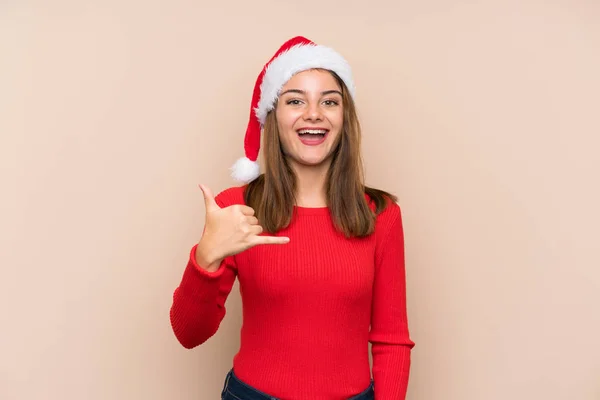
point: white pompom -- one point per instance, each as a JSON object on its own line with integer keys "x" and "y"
{"x": 245, "y": 170}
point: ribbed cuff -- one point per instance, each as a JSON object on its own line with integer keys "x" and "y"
{"x": 200, "y": 283}
{"x": 201, "y": 270}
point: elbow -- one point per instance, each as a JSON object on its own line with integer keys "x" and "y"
{"x": 190, "y": 338}
{"x": 391, "y": 340}
{"x": 187, "y": 344}
{"x": 379, "y": 347}
{"x": 190, "y": 335}
{"x": 185, "y": 340}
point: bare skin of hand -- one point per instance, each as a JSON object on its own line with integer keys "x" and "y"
{"x": 229, "y": 231}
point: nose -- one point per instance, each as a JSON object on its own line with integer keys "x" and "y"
{"x": 313, "y": 113}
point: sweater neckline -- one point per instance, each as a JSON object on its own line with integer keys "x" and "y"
{"x": 311, "y": 210}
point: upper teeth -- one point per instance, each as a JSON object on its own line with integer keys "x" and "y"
{"x": 313, "y": 131}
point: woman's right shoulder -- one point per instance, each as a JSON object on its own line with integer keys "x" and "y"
{"x": 230, "y": 196}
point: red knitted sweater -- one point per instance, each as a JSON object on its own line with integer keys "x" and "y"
{"x": 310, "y": 308}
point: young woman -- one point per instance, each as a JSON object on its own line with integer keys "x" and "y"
{"x": 318, "y": 255}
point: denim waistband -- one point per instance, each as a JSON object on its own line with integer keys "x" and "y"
{"x": 235, "y": 389}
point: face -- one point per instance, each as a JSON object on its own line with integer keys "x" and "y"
{"x": 310, "y": 117}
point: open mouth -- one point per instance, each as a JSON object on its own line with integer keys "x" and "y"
{"x": 312, "y": 136}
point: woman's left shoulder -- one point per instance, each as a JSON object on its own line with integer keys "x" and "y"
{"x": 383, "y": 203}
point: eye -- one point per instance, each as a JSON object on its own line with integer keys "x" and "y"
{"x": 330, "y": 103}
{"x": 293, "y": 102}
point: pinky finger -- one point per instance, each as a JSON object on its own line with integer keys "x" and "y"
{"x": 272, "y": 239}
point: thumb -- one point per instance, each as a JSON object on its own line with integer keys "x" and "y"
{"x": 209, "y": 199}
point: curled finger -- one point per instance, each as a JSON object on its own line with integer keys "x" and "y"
{"x": 252, "y": 220}
{"x": 256, "y": 229}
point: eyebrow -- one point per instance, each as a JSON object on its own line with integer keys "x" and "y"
{"x": 324, "y": 93}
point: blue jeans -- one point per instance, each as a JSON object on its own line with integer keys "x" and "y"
{"x": 235, "y": 389}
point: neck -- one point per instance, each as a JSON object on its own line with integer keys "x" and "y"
{"x": 310, "y": 185}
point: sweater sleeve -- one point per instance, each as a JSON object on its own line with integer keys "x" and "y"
{"x": 198, "y": 305}
{"x": 389, "y": 335}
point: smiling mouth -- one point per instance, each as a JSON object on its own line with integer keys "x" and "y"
{"x": 312, "y": 133}
{"x": 312, "y": 136}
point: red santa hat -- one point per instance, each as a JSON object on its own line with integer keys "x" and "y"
{"x": 296, "y": 55}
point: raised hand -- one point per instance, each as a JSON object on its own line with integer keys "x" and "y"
{"x": 229, "y": 231}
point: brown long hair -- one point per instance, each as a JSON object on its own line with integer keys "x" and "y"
{"x": 272, "y": 194}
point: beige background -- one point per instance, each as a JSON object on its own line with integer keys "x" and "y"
{"x": 482, "y": 116}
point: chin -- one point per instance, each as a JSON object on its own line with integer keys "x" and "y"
{"x": 311, "y": 161}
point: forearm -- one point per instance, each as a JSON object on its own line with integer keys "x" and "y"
{"x": 198, "y": 303}
{"x": 391, "y": 370}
